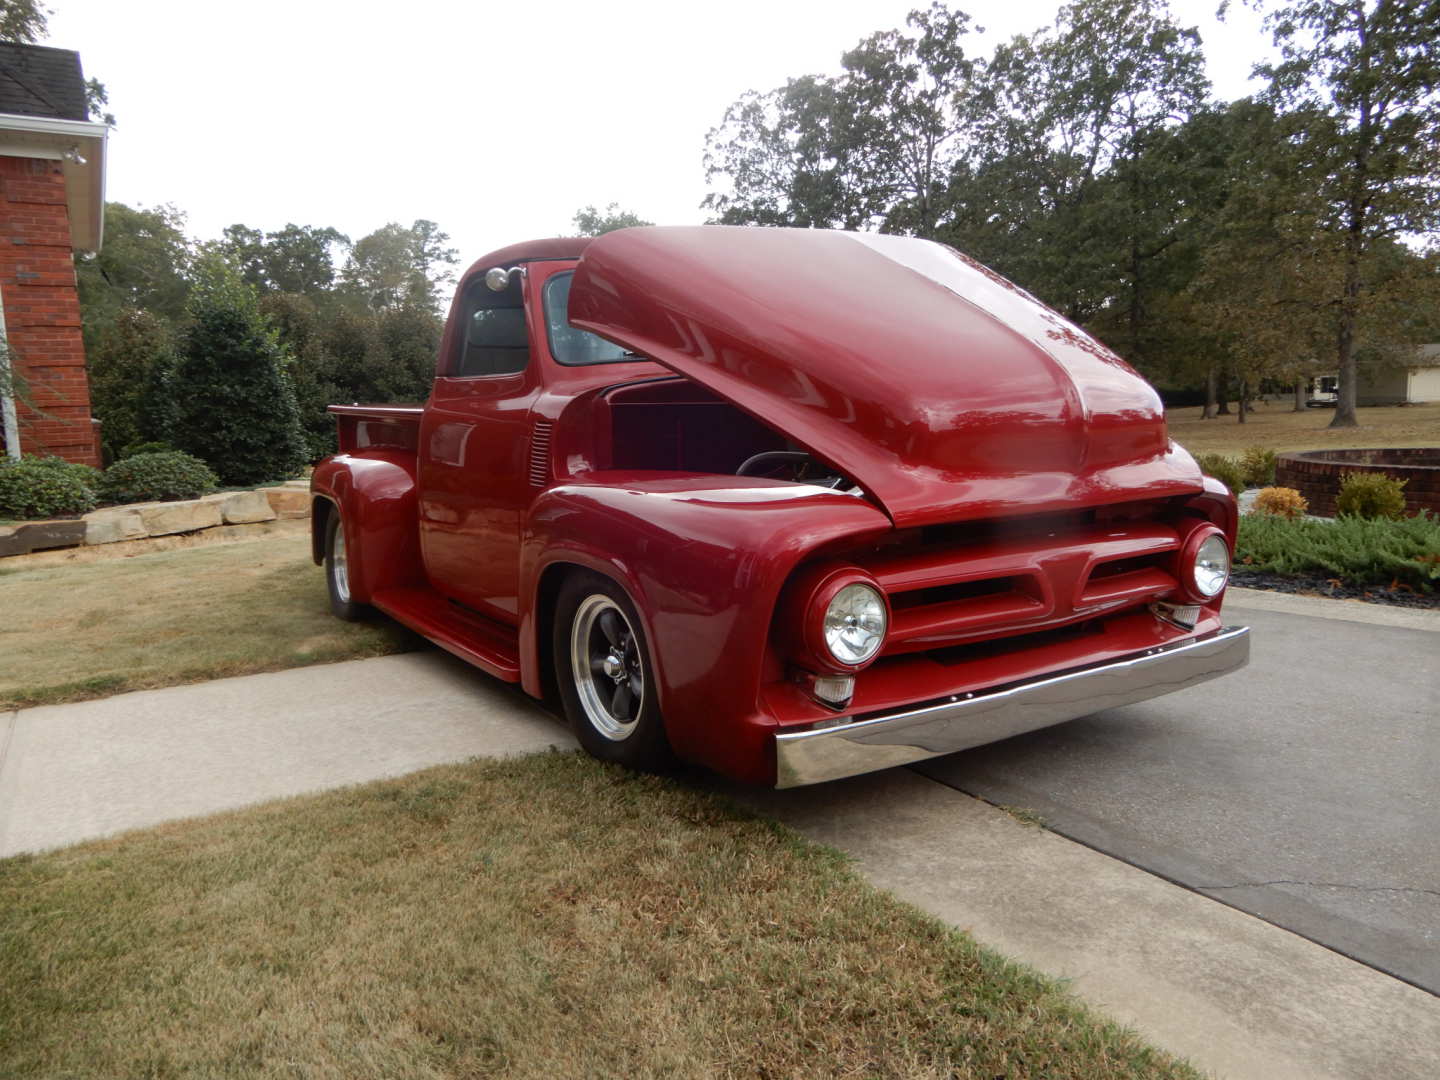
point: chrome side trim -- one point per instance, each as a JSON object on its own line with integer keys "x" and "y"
{"x": 809, "y": 757}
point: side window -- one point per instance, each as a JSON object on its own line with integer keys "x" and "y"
{"x": 495, "y": 341}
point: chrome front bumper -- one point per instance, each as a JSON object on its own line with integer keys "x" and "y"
{"x": 958, "y": 723}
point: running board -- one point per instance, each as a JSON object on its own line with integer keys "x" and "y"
{"x": 489, "y": 645}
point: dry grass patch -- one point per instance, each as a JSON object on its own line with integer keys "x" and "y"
{"x": 537, "y": 917}
{"x": 1276, "y": 427}
{"x": 80, "y": 630}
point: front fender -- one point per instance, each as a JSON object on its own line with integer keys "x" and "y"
{"x": 375, "y": 496}
{"x": 704, "y": 559}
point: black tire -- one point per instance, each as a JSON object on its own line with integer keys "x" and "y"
{"x": 605, "y": 677}
{"x": 337, "y": 576}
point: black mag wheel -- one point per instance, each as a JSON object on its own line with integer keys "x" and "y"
{"x": 337, "y": 572}
{"x": 602, "y": 667}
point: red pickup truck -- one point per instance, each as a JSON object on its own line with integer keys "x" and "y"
{"x": 791, "y": 504}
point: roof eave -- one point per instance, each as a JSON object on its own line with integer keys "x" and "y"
{"x": 80, "y": 146}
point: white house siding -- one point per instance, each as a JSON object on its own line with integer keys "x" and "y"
{"x": 1425, "y": 384}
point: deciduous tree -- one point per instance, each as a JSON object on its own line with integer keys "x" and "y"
{"x": 143, "y": 265}
{"x": 395, "y": 266}
{"x": 22, "y": 21}
{"x": 873, "y": 147}
{"x": 1082, "y": 188}
{"x": 1363, "y": 77}
{"x": 297, "y": 259}
{"x": 588, "y": 221}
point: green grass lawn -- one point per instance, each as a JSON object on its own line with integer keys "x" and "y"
{"x": 536, "y": 917}
{"x": 79, "y": 630}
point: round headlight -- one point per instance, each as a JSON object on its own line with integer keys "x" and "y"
{"x": 855, "y": 624}
{"x": 1212, "y": 565}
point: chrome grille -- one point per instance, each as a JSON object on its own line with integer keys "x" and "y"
{"x": 949, "y": 593}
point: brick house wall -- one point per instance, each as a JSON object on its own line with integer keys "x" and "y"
{"x": 42, "y": 312}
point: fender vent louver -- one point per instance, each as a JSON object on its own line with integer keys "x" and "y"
{"x": 540, "y": 453}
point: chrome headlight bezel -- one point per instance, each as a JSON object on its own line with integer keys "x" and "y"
{"x": 854, "y": 623}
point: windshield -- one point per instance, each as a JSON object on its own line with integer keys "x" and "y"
{"x": 568, "y": 344}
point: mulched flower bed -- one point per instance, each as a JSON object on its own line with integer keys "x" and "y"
{"x": 1315, "y": 585}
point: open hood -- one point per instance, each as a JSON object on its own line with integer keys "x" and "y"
{"x": 941, "y": 388}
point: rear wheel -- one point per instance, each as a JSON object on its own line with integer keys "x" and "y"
{"x": 603, "y": 670}
{"x": 337, "y": 572}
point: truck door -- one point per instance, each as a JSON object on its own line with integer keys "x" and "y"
{"x": 473, "y": 443}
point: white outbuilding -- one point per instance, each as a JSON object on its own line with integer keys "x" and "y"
{"x": 1404, "y": 383}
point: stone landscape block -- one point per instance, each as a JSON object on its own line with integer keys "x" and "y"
{"x": 41, "y": 536}
{"x": 136, "y": 521}
{"x": 247, "y": 507}
{"x": 112, "y": 525}
{"x": 242, "y": 507}
{"x": 289, "y": 501}
{"x": 162, "y": 519}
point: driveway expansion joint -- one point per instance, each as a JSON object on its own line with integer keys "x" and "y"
{"x": 7, "y": 726}
{"x": 1319, "y": 885}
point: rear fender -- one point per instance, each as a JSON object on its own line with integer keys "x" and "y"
{"x": 704, "y": 565}
{"x": 374, "y": 494}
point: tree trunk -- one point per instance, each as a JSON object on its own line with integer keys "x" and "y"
{"x": 1345, "y": 396}
{"x": 1299, "y": 396}
{"x": 1243, "y": 406}
{"x": 1209, "y": 412}
{"x": 1223, "y": 390}
{"x": 1356, "y": 212}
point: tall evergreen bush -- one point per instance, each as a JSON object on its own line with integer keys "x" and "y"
{"x": 230, "y": 396}
{"x": 122, "y": 361}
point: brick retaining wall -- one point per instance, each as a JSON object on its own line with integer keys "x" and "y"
{"x": 1317, "y": 475}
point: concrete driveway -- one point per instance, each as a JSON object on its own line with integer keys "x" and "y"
{"x": 1304, "y": 790}
{"x": 1261, "y": 775}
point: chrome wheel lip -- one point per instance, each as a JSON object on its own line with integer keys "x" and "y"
{"x": 598, "y": 667}
{"x": 339, "y": 567}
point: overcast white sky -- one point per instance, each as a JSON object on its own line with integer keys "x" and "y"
{"x": 495, "y": 119}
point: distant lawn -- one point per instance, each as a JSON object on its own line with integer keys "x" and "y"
{"x": 83, "y": 630}
{"x": 1276, "y": 427}
{"x": 537, "y": 917}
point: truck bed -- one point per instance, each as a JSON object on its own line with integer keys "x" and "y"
{"x": 367, "y": 427}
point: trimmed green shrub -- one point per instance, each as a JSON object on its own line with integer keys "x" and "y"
{"x": 1370, "y": 495}
{"x": 1359, "y": 551}
{"x": 157, "y": 477}
{"x": 230, "y": 397}
{"x": 1257, "y": 466}
{"x": 145, "y": 448}
{"x": 37, "y": 487}
{"x": 1224, "y": 469}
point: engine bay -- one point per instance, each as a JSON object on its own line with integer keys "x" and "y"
{"x": 675, "y": 424}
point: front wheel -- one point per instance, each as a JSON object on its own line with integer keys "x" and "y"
{"x": 603, "y": 669}
{"x": 337, "y": 572}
